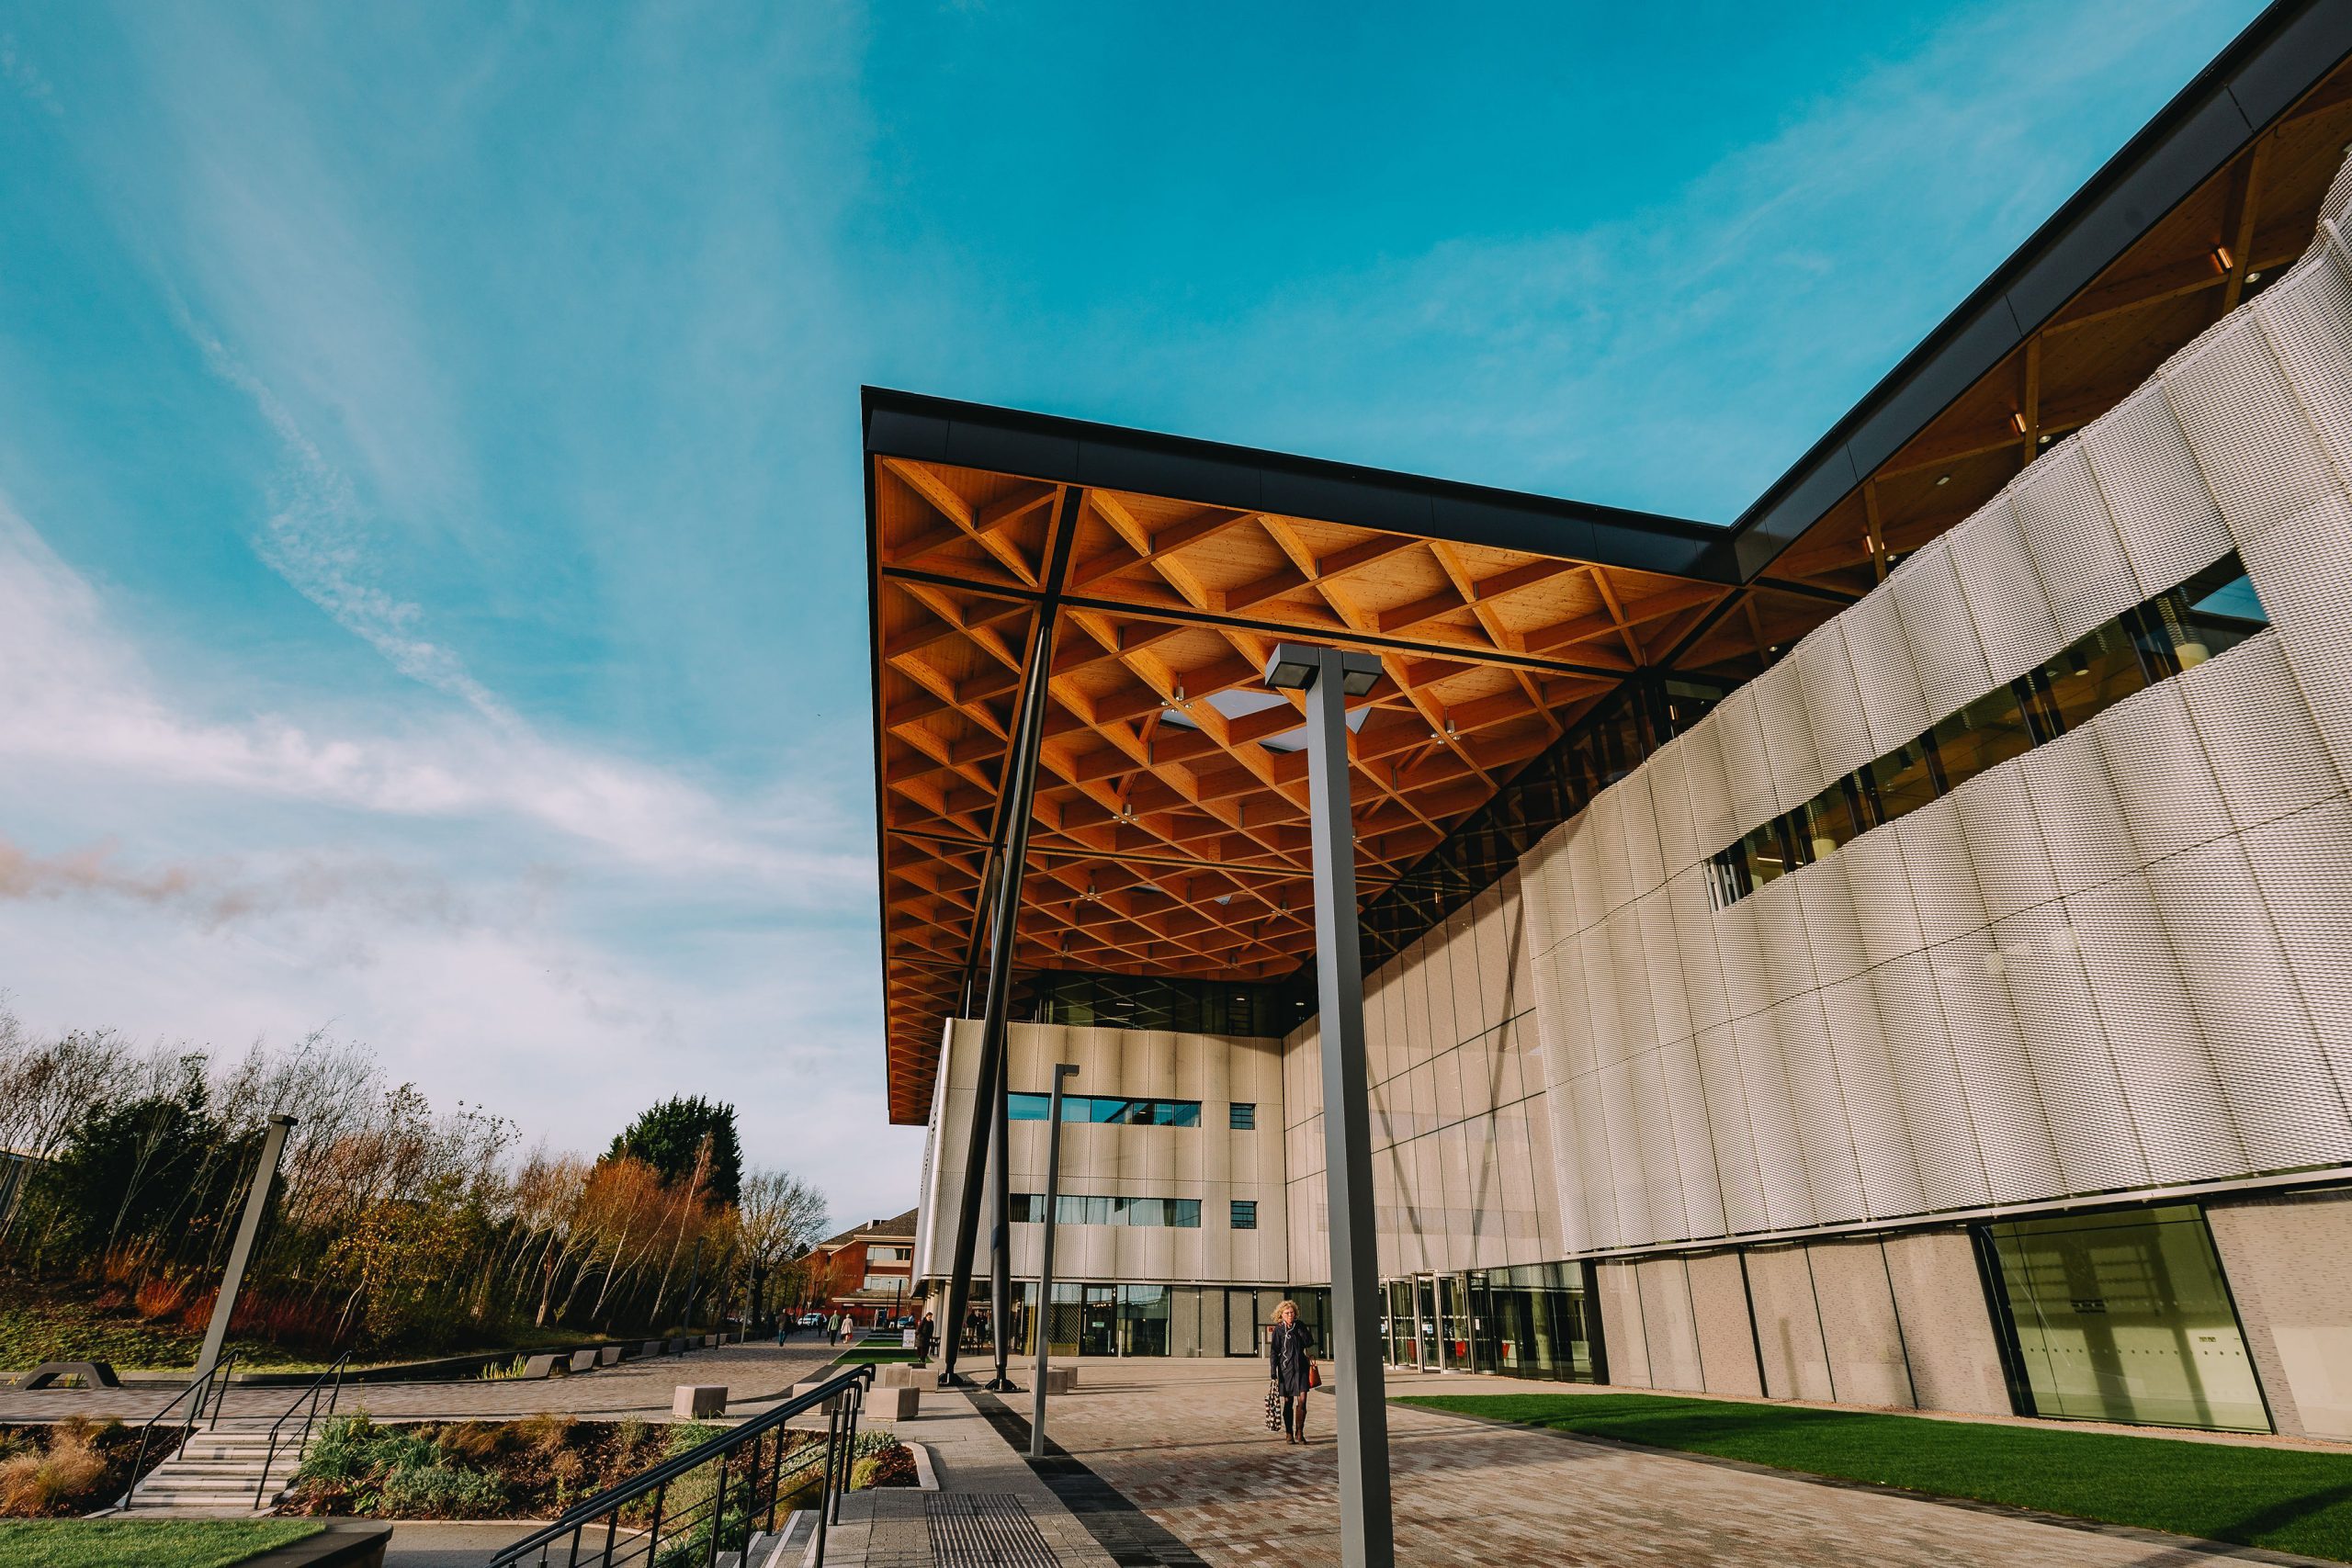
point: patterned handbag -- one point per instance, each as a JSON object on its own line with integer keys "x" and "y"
{"x": 1273, "y": 1405}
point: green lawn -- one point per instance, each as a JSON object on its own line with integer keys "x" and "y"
{"x": 161, "y": 1543}
{"x": 2284, "y": 1499}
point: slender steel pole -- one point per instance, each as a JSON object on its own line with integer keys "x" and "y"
{"x": 1019, "y": 792}
{"x": 1366, "y": 1531}
{"x": 1044, "y": 1317}
{"x": 273, "y": 1146}
{"x": 1000, "y": 1222}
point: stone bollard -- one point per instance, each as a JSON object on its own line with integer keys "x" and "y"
{"x": 693, "y": 1401}
{"x": 893, "y": 1404}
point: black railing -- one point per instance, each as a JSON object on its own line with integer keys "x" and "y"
{"x": 725, "y": 1488}
{"x": 329, "y": 1382}
{"x": 211, "y": 1386}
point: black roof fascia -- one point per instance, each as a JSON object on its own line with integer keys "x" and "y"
{"x": 2282, "y": 54}
{"x": 1070, "y": 451}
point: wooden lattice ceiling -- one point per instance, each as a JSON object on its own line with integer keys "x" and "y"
{"x": 1170, "y": 831}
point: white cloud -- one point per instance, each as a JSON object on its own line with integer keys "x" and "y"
{"x": 73, "y": 691}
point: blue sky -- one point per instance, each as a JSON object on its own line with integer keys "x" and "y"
{"x": 431, "y": 604}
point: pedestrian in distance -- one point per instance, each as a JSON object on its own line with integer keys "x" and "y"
{"x": 925, "y": 1333}
{"x": 1290, "y": 1356}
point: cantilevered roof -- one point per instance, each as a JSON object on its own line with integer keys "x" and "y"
{"x": 1169, "y": 833}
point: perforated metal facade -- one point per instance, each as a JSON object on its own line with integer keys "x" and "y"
{"x": 2121, "y": 961}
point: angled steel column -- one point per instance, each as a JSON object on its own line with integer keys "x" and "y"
{"x": 216, "y": 1335}
{"x": 1328, "y": 678}
{"x": 1001, "y": 1218}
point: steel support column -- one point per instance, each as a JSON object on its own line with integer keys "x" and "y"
{"x": 224, "y": 1306}
{"x": 1063, "y": 1072}
{"x": 1366, "y": 1535}
{"x": 1015, "y": 809}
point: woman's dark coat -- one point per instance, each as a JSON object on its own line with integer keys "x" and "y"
{"x": 1289, "y": 1348}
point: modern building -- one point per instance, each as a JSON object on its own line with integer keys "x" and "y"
{"x": 1895, "y": 950}
{"x": 867, "y": 1272}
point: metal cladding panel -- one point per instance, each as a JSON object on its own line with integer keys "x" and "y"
{"x": 1680, "y": 847}
{"x": 1739, "y": 943}
{"x": 1885, "y": 913}
{"x": 1607, "y": 827}
{"x": 2082, "y": 823}
{"x": 2163, "y": 513}
{"x": 2156, "y": 760}
{"x": 1587, "y": 888}
{"x": 2304, "y": 866}
{"x": 1713, "y": 812}
{"x": 1662, "y": 967}
{"x": 1694, "y": 1148}
{"x": 2174, "y": 1097}
{"x": 2266, "y": 1048}
{"x": 1636, "y": 1019}
{"x": 2072, "y": 541}
{"x": 1597, "y": 1039}
{"x": 1887, "y": 1163}
{"x": 2304, "y": 577}
{"x": 1937, "y": 627}
{"x": 1733, "y": 1131}
{"x": 2258, "y": 452}
{"x": 1832, "y": 926}
{"x": 1747, "y": 766}
{"x": 1772, "y": 1119}
{"x": 1588, "y": 1133}
{"x": 1543, "y": 891}
{"x": 2005, "y": 1102}
{"x": 2013, "y": 869}
{"x": 1841, "y": 733}
{"x": 1885, "y": 680}
{"x": 1943, "y": 878}
{"x": 1833, "y": 1175}
{"x": 2307, "y": 317}
{"x": 2014, "y": 624}
{"x": 1640, "y": 827}
{"x": 1662, "y": 1165}
{"x": 1779, "y": 926}
{"x": 2065, "y": 1040}
{"x": 2338, "y": 204}
{"x": 2259, "y": 735}
{"x": 1788, "y": 735}
{"x": 1935, "y": 1102}
{"x": 1628, "y": 1188}
{"x": 1694, "y": 946}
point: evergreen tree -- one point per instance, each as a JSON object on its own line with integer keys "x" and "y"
{"x": 670, "y": 1137}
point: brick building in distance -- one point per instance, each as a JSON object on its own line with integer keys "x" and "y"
{"x": 866, "y": 1271}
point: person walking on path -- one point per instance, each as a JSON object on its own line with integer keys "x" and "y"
{"x": 925, "y": 1332}
{"x": 1290, "y": 1355}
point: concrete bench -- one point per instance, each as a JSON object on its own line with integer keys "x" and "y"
{"x": 544, "y": 1366}
{"x": 93, "y": 1374}
{"x": 584, "y": 1362}
{"x": 693, "y": 1401}
{"x": 680, "y": 1347}
{"x": 904, "y": 1376}
{"x": 650, "y": 1347}
{"x": 1060, "y": 1379}
{"x": 899, "y": 1403}
{"x": 608, "y": 1355}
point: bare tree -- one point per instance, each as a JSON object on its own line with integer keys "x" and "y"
{"x": 779, "y": 1217}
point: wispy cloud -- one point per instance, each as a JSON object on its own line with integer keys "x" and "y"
{"x": 21, "y": 74}
{"x": 220, "y": 893}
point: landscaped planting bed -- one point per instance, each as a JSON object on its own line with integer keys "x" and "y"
{"x": 68, "y": 1468}
{"x": 2286, "y": 1499}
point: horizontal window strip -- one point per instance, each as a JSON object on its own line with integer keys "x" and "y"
{"x": 1074, "y": 1209}
{"x": 1106, "y": 1109}
{"x": 2154, "y": 641}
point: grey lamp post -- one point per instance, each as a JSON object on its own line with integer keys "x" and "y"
{"x": 224, "y": 1306}
{"x": 1062, "y": 1071}
{"x": 1329, "y": 677}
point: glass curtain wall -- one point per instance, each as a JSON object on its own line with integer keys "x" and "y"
{"x": 2124, "y": 1316}
{"x": 1535, "y": 1321}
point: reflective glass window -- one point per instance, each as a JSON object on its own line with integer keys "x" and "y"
{"x": 2091, "y": 677}
{"x": 1828, "y": 820}
{"x": 1766, "y": 857}
{"x": 1184, "y": 1213}
{"x": 1032, "y": 1107}
{"x": 1985, "y": 734}
{"x": 1245, "y": 1213}
{"x": 1901, "y": 781}
{"x": 2211, "y": 613}
{"x": 2126, "y": 1317}
{"x": 1242, "y": 1116}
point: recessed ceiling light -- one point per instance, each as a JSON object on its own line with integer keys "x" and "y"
{"x": 2254, "y": 277}
{"x": 2017, "y": 421}
{"x": 1943, "y": 479}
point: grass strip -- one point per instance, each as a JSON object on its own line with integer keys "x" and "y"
{"x": 2286, "y": 1499}
{"x": 110, "y": 1544}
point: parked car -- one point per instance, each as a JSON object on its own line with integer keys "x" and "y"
{"x": 812, "y": 1320}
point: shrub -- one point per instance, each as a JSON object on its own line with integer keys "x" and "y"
{"x": 162, "y": 1296}
{"x": 57, "y": 1481}
{"x": 440, "y": 1491}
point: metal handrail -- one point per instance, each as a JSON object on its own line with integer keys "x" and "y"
{"x": 309, "y": 1397}
{"x": 760, "y": 1487}
{"x": 203, "y": 1386}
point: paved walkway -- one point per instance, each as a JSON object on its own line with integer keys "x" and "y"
{"x": 643, "y": 1389}
{"x": 1185, "y": 1440}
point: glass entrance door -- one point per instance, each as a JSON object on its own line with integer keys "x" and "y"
{"x": 1432, "y": 1348}
{"x": 1098, "y": 1324}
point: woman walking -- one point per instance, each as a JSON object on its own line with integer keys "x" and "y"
{"x": 1290, "y": 1354}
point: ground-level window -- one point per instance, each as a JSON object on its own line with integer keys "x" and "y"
{"x": 2122, "y": 1316}
{"x": 1245, "y": 1213}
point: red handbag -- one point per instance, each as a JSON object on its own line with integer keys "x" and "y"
{"x": 1314, "y": 1375}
